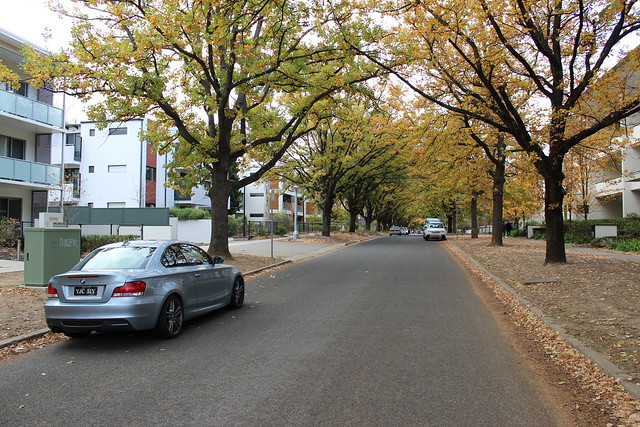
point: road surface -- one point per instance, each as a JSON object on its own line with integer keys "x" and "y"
{"x": 387, "y": 332}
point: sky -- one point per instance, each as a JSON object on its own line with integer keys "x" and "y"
{"x": 31, "y": 19}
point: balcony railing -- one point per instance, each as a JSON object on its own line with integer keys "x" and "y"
{"x": 25, "y": 171}
{"x": 30, "y": 109}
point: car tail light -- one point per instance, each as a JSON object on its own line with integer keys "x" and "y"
{"x": 130, "y": 289}
{"x": 52, "y": 292}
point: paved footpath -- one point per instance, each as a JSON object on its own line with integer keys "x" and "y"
{"x": 282, "y": 248}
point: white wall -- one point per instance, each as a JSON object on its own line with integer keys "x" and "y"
{"x": 103, "y": 150}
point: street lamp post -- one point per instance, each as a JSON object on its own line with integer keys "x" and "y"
{"x": 296, "y": 235}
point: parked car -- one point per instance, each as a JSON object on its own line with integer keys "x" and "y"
{"x": 395, "y": 230}
{"x": 404, "y": 230}
{"x": 434, "y": 230}
{"x": 141, "y": 285}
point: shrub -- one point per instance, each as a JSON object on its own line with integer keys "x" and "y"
{"x": 9, "y": 232}
{"x": 632, "y": 245}
{"x": 234, "y": 225}
{"x": 576, "y": 238}
{"x": 280, "y": 230}
{"x": 189, "y": 214}
{"x": 93, "y": 241}
{"x": 518, "y": 233}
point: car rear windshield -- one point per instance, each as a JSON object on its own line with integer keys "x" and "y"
{"x": 119, "y": 258}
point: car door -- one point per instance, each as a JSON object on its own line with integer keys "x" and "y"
{"x": 211, "y": 284}
{"x": 179, "y": 275}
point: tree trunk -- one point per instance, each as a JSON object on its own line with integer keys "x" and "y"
{"x": 498, "y": 203}
{"x": 353, "y": 218}
{"x": 327, "y": 206}
{"x": 553, "y": 199}
{"x": 219, "y": 194}
{"x": 474, "y": 215}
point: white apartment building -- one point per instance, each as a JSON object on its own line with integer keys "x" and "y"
{"x": 618, "y": 194}
{"x": 108, "y": 167}
{"x": 262, "y": 199}
{"x": 113, "y": 167}
{"x": 31, "y": 121}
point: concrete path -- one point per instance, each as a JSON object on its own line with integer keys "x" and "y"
{"x": 282, "y": 248}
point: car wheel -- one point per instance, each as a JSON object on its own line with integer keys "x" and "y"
{"x": 237, "y": 294}
{"x": 171, "y": 318}
{"x": 444, "y": 237}
{"x": 82, "y": 334}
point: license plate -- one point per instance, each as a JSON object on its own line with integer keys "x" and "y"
{"x": 85, "y": 290}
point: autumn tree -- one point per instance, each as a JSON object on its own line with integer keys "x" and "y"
{"x": 536, "y": 70}
{"x": 222, "y": 81}
{"x": 348, "y": 145}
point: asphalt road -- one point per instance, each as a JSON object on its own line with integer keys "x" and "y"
{"x": 388, "y": 332}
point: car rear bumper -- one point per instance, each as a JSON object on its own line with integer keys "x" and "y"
{"x": 122, "y": 315}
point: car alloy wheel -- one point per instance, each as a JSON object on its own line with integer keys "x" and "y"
{"x": 237, "y": 293}
{"x": 171, "y": 318}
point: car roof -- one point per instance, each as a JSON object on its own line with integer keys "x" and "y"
{"x": 144, "y": 243}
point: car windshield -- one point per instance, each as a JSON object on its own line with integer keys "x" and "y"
{"x": 122, "y": 257}
{"x": 436, "y": 225}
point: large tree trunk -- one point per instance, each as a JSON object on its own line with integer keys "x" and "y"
{"x": 553, "y": 199}
{"x": 498, "y": 204}
{"x": 474, "y": 215}
{"x": 353, "y": 219}
{"x": 219, "y": 195}
{"x": 327, "y": 206}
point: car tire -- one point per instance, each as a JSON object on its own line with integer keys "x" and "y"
{"x": 171, "y": 318}
{"x": 82, "y": 334}
{"x": 444, "y": 237}
{"x": 237, "y": 294}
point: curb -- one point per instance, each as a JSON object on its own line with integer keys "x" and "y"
{"x": 600, "y": 360}
{"x": 26, "y": 337}
{"x": 37, "y": 334}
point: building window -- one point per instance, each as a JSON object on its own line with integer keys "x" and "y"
{"x": 38, "y": 203}
{"x": 256, "y": 194}
{"x": 116, "y": 204}
{"x": 118, "y": 131}
{"x": 12, "y": 147}
{"x": 11, "y": 208}
{"x": 92, "y": 132}
{"x": 75, "y": 140}
{"x": 43, "y": 148}
{"x": 258, "y": 215}
{"x": 151, "y": 173}
{"x": 117, "y": 168}
{"x": 22, "y": 90}
{"x": 92, "y": 169}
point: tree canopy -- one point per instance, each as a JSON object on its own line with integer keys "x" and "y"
{"x": 222, "y": 81}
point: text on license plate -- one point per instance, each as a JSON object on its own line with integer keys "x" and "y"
{"x": 85, "y": 290}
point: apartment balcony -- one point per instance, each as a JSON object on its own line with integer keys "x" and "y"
{"x": 609, "y": 188}
{"x": 32, "y": 110}
{"x": 31, "y": 174}
{"x": 71, "y": 193}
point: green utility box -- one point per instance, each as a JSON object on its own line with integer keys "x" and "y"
{"x": 49, "y": 251}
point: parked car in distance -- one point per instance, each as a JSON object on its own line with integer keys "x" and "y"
{"x": 404, "y": 230}
{"x": 434, "y": 230}
{"x": 141, "y": 285}
{"x": 395, "y": 230}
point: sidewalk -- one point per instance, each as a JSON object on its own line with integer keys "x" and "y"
{"x": 283, "y": 248}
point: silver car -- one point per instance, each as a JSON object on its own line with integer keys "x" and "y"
{"x": 434, "y": 230}
{"x": 141, "y": 285}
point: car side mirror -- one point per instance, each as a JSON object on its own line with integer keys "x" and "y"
{"x": 218, "y": 260}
